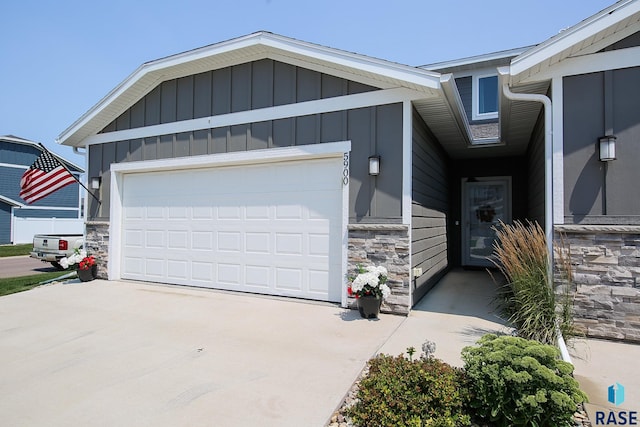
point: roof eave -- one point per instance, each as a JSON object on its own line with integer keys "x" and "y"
{"x": 573, "y": 35}
{"x": 155, "y": 71}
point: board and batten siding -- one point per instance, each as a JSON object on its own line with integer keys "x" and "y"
{"x": 265, "y": 83}
{"x": 535, "y": 167}
{"x": 594, "y": 105}
{"x": 430, "y": 209}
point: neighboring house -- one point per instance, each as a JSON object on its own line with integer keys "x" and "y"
{"x": 60, "y": 212}
{"x": 250, "y": 165}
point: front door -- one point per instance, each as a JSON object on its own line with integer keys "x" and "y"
{"x": 485, "y": 202}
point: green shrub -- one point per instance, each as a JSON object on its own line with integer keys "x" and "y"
{"x": 528, "y": 300}
{"x": 518, "y": 382}
{"x": 419, "y": 393}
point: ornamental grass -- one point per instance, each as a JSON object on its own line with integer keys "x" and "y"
{"x": 528, "y": 300}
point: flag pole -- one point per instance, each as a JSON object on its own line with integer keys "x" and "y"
{"x": 70, "y": 173}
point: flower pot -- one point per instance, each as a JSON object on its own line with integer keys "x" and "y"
{"x": 369, "y": 306}
{"x": 88, "y": 275}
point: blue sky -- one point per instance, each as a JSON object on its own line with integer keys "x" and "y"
{"x": 59, "y": 58}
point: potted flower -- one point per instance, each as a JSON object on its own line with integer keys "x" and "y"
{"x": 87, "y": 267}
{"x": 369, "y": 288}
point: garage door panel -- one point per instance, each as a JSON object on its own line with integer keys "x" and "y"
{"x": 258, "y": 228}
{"x": 258, "y": 276}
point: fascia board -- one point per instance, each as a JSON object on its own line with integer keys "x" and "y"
{"x": 11, "y": 202}
{"x": 574, "y": 35}
{"x": 153, "y": 72}
{"x": 388, "y": 69}
{"x": 452, "y": 96}
{"x": 477, "y": 59}
{"x": 603, "y": 61}
{"x": 504, "y": 110}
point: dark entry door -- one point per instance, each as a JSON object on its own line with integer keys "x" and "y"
{"x": 485, "y": 202}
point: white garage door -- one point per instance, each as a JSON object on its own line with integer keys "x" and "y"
{"x": 272, "y": 228}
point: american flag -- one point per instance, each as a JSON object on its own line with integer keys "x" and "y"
{"x": 45, "y": 176}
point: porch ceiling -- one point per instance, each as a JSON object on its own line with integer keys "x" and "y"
{"x": 517, "y": 122}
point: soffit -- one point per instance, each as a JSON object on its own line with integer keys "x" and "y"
{"x": 589, "y": 36}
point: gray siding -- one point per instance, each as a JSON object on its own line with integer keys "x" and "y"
{"x": 371, "y": 130}
{"x": 21, "y": 154}
{"x": 536, "y": 170}
{"x": 67, "y": 197}
{"x": 5, "y": 223}
{"x": 465, "y": 88}
{"x": 243, "y": 87}
{"x": 595, "y": 192}
{"x": 17, "y": 154}
{"x": 430, "y": 210}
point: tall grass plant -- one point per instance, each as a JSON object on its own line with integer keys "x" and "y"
{"x": 528, "y": 300}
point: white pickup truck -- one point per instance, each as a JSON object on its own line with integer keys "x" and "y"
{"x": 50, "y": 248}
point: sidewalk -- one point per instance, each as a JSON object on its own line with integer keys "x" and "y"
{"x": 600, "y": 364}
{"x": 454, "y": 314}
{"x": 458, "y": 311}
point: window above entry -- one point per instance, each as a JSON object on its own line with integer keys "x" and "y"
{"x": 485, "y": 97}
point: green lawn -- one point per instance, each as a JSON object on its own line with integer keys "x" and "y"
{"x": 18, "y": 284}
{"x": 15, "y": 250}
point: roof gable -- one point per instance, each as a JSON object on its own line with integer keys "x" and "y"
{"x": 23, "y": 152}
{"x": 261, "y": 45}
{"x": 605, "y": 28}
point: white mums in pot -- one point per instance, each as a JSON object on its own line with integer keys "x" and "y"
{"x": 78, "y": 256}
{"x": 370, "y": 281}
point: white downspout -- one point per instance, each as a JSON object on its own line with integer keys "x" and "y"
{"x": 548, "y": 183}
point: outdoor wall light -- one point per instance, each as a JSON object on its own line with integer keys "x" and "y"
{"x": 95, "y": 183}
{"x": 607, "y": 148}
{"x": 374, "y": 165}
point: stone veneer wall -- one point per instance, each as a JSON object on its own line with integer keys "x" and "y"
{"x": 386, "y": 245}
{"x": 97, "y": 244}
{"x": 369, "y": 244}
{"x": 606, "y": 278}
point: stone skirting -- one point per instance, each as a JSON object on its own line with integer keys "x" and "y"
{"x": 605, "y": 263}
{"x": 386, "y": 245}
{"x": 97, "y": 244}
{"x": 369, "y": 244}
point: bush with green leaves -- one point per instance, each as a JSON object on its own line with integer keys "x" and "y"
{"x": 519, "y": 382}
{"x": 417, "y": 393}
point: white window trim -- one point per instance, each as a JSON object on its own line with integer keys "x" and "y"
{"x": 475, "y": 97}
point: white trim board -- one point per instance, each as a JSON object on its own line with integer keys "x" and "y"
{"x": 603, "y": 61}
{"x": 338, "y": 103}
{"x": 557, "y": 162}
{"x": 314, "y": 151}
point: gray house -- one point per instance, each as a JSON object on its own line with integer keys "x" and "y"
{"x": 271, "y": 165}
{"x": 59, "y": 212}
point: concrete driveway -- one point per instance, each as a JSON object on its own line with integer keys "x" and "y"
{"x": 130, "y": 354}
